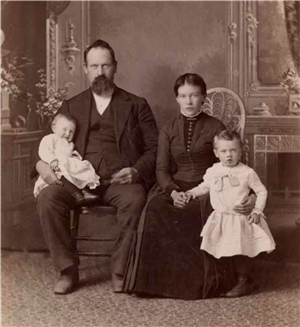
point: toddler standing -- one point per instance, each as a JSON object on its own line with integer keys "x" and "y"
{"x": 227, "y": 233}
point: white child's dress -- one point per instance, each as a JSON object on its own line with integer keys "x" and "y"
{"x": 79, "y": 172}
{"x": 227, "y": 233}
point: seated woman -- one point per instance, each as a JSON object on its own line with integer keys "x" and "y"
{"x": 165, "y": 258}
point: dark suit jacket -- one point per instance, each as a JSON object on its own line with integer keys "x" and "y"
{"x": 135, "y": 128}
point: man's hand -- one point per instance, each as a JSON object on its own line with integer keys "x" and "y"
{"x": 179, "y": 199}
{"x": 254, "y": 218}
{"x": 47, "y": 173}
{"x": 246, "y": 206}
{"x": 128, "y": 175}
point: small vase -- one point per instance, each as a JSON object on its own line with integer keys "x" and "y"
{"x": 294, "y": 103}
{"x": 5, "y": 111}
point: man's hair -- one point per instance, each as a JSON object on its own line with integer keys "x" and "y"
{"x": 66, "y": 116}
{"x": 189, "y": 78}
{"x": 228, "y": 136}
{"x": 99, "y": 44}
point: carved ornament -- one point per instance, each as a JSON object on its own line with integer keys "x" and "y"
{"x": 70, "y": 49}
{"x": 57, "y": 7}
{"x": 232, "y": 31}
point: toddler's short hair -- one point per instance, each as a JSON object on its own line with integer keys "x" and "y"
{"x": 228, "y": 136}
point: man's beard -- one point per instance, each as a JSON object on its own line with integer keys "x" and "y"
{"x": 102, "y": 84}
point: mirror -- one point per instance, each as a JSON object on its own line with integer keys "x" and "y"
{"x": 262, "y": 48}
{"x": 30, "y": 56}
{"x": 273, "y": 50}
{"x": 23, "y": 51}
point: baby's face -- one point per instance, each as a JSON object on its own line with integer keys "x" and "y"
{"x": 64, "y": 128}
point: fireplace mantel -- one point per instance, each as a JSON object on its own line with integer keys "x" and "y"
{"x": 273, "y": 125}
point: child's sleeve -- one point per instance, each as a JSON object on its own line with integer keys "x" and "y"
{"x": 261, "y": 192}
{"x": 204, "y": 187}
{"x": 46, "y": 149}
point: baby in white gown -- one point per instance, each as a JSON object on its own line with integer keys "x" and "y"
{"x": 57, "y": 150}
{"x": 227, "y": 233}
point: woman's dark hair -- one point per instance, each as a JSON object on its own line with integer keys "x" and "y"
{"x": 100, "y": 44}
{"x": 228, "y": 136}
{"x": 192, "y": 79}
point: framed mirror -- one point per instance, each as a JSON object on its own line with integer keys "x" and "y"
{"x": 274, "y": 52}
{"x": 263, "y": 38}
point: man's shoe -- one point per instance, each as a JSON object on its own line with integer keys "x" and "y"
{"x": 243, "y": 287}
{"x": 68, "y": 281}
{"x": 79, "y": 199}
{"x": 85, "y": 198}
{"x": 117, "y": 283}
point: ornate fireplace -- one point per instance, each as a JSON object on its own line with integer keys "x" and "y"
{"x": 274, "y": 152}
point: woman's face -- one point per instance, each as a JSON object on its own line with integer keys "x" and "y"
{"x": 190, "y": 99}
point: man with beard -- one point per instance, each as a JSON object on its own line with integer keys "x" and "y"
{"x": 117, "y": 133}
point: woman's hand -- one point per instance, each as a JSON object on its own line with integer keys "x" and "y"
{"x": 246, "y": 205}
{"x": 47, "y": 173}
{"x": 179, "y": 199}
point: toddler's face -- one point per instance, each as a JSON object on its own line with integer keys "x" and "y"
{"x": 64, "y": 128}
{"x": 229, "y": 152}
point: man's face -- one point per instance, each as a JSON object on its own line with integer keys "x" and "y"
{"x": 100, "y": 63}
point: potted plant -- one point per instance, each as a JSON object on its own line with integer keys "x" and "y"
{"x": 291, "y": 85}
{"x": 46, "y": 101}
{"x": 13, "y": 86}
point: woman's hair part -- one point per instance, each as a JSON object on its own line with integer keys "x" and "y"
{"x": 190, "y": 78}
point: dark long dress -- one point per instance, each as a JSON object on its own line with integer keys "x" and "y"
{"x": 165, "y": 258}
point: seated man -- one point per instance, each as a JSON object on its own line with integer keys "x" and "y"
{"x": 117, "y": 133}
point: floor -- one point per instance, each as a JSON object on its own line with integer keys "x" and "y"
{"x": 27, "y": 281}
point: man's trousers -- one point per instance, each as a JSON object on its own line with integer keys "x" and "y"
{"x": 54, "y": 204}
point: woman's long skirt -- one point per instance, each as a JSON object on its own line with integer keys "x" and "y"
{"x": 166, "y": 259}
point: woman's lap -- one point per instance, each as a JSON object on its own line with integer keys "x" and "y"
{"x": 170, "y": 262}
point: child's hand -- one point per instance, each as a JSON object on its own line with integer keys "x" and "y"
{"x": 54, "y": 165}
{"x": 189, "y": 196}
{"x": 254, "y": 218}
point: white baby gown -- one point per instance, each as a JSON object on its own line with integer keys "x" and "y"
{"x": 79, "y": 172}
{"x": 227, "y": 233}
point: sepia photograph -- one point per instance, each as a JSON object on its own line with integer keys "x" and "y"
{"x": 150, "y": 163}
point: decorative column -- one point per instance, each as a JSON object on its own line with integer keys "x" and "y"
{"x": 70, "y": 48}
{"x": 5, "y": 110}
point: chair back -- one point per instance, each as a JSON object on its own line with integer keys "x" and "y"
{"x": 225, "y": 105}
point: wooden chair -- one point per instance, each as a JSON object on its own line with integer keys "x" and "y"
{"x": 99, "y": 226}
{"x": 225, "y": 105}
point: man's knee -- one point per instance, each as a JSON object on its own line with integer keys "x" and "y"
{"x": 134, "y": 196}
{"x": 54, "y": 195}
